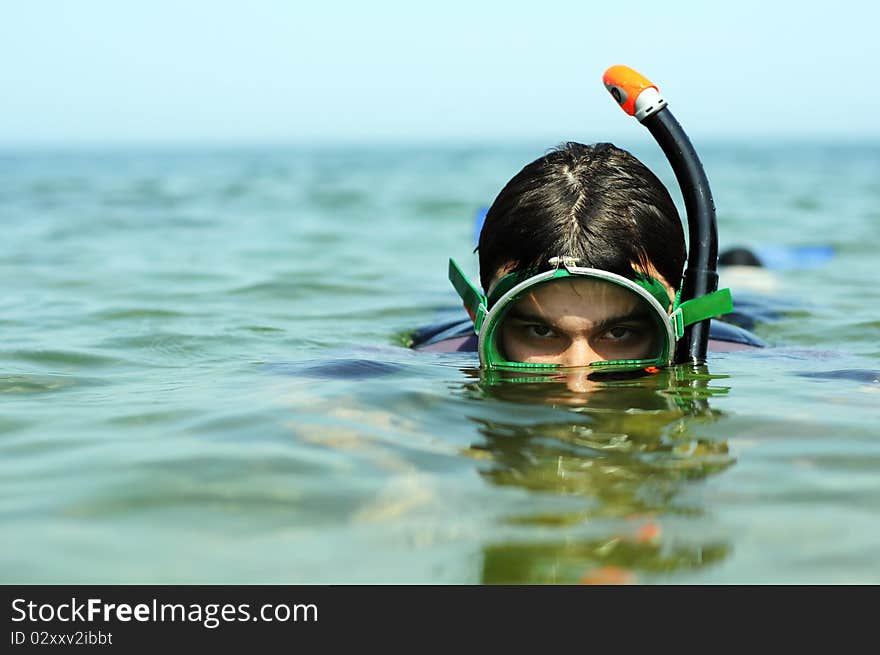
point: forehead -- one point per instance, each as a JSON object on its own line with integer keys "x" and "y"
{"x": 649, "y": 270}
{"x": 593, "y": 299}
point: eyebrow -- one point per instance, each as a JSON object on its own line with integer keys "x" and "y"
{"x": 638, "y": 315}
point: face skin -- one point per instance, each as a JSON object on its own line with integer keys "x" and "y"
{"x": 578, "y": 321}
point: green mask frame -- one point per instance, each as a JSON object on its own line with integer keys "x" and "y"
{"x": 488, "y": 312}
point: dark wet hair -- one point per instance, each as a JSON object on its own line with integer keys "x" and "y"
{"x": 597, "y": 203}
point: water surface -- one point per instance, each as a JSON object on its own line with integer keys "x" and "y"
{"x": 202, "y": 381}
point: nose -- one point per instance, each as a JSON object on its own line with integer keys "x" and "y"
{"x": 578, "y": 353}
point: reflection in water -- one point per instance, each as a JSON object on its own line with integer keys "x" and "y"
{"x": 627, "y": 448}
{"x": 616, "y": 560}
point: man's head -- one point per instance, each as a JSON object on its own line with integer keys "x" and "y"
{"x": 601, "y": 207}
{"x": 597, "y": 204}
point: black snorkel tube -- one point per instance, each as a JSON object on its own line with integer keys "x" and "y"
{"x": 639, "y": 97}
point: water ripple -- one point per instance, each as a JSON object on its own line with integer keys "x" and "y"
{"x": 62, "y": 358}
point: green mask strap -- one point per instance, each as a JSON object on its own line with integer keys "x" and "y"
{"x": 473, "y": 299}
{"x": 699, "y": 309}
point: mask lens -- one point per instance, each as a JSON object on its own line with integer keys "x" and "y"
{"x": 577, "y": 320}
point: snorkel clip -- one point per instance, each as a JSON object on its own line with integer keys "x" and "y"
{"x": 565, "y": 261}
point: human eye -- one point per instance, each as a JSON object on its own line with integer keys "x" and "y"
{"x": 623, "y": 333}
{"x": 538, "y": 330}
{"x": 626, "y": 339}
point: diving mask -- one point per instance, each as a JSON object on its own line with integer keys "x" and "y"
{"x": 629, "y": 326}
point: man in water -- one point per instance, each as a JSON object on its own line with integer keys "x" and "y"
{"x": 598, "y": 207}
{"x": 581, "y": 256}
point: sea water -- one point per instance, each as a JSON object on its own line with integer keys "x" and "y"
{"x": 203, "y": 379}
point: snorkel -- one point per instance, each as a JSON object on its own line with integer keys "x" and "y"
{"x": 639, "y": 97}
{"x": 638, "y": 326}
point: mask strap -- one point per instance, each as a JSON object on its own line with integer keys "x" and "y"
{"x": 699, "y": 309}
{"x": 473, "y": 299}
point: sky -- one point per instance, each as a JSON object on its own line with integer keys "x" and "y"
{"x": 273, "y": 71}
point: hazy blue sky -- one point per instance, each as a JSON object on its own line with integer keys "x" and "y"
{"x": 104, "y": 71}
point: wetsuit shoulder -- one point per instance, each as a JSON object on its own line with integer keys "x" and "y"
{"x": 722, "y": 332}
